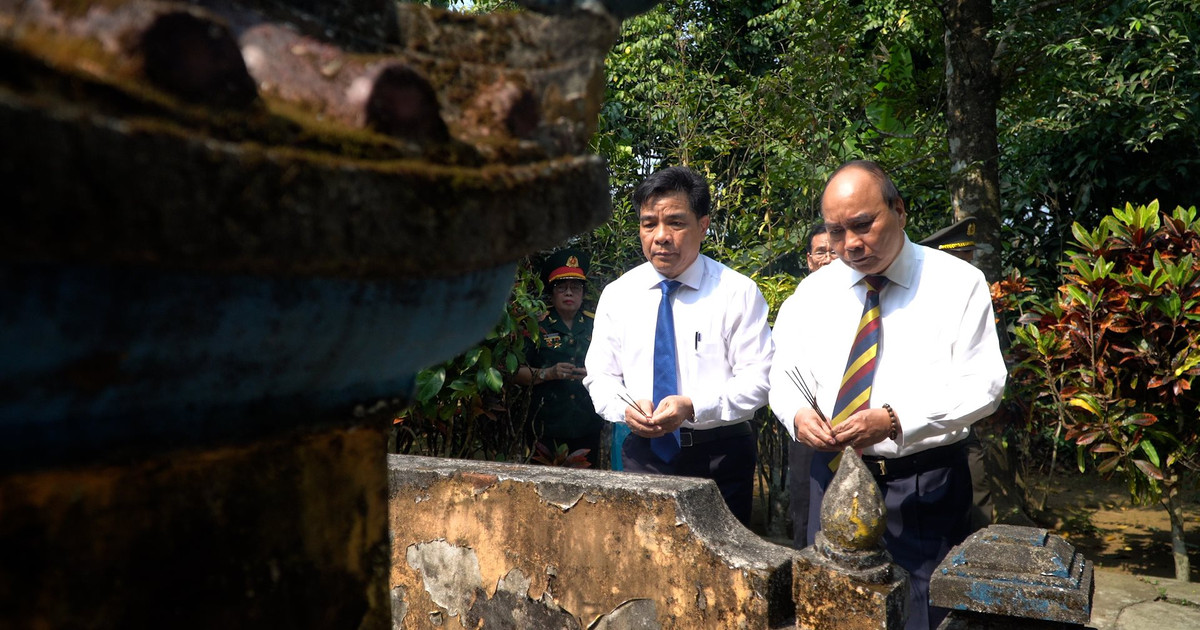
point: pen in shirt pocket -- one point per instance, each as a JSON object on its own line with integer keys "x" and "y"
{"x": 697, "y": 346}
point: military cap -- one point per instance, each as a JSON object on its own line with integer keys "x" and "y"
{"x": 958, "y": 237}
{"x": 565, "y": 264}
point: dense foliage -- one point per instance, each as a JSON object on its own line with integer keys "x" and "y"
{"x": 1113, "y": 356}
{"x": 1101, "y": 107}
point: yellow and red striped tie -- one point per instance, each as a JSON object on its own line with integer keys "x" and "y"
{"x": 854, "y": 394}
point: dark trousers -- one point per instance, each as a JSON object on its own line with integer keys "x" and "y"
{"x": 926, "y": 516}
{"x": 727, "y": 461}
{"x": 800, "y": 457}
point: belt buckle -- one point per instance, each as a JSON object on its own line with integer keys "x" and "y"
{"x": 685, "y": 438}
{"x": 880, "y": 464}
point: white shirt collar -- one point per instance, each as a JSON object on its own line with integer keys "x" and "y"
{"x": 901, "y": 271}
{"x": 691, "y": 277}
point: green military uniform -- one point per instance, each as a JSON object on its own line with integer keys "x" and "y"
{"x": 563, "y": 409}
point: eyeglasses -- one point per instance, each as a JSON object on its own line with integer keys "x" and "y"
{"x": 823, "y": 253}
{"x": 575, "y": 286}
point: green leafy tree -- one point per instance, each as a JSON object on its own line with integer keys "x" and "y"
{"x": 1100, "y": 106}
{"x": 1113, "y": 357}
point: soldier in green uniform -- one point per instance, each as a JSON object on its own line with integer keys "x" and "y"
{"x": 561, "y": 410}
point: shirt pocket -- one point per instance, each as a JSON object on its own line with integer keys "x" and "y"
{"x": 709, "y": 359}
{"x": 706, "y": 349}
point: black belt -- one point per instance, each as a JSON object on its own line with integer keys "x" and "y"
{"x": 895, "y": 467}
{"x": 692, "y": 437}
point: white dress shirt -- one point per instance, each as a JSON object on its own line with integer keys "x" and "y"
{"x": 939, "y": 364}
{"x": 722, "y": 340}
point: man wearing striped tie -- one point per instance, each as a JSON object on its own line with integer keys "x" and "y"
{"x": 681, "y": 348}
{"x": 897, "y": 344}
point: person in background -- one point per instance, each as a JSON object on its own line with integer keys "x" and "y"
{"x": 898, "y": 344}
{"x": 561, "y": 410}
{"x": 820, "y": 253}
{"x": 682, "y": 348}
{"x": 958, "y": 240}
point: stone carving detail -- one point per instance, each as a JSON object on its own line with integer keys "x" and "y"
{"x": 1018, "y": 572}
{"x": 229, "y": 222}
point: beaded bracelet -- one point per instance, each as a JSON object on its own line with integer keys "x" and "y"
{"x": 895, "y": 422}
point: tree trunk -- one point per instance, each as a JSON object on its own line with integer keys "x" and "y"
{"x": 1174, "y": 507}
{"x": 972, "y": 95}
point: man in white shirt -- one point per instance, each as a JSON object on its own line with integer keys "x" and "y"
{"x": 722, "y": 347}
{"x": 938, "y": 369}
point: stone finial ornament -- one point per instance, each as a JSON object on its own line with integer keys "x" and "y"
{"x": 853, "y": 519}
{"x": 846, "y": 579}
{"x": 853, "y": 515}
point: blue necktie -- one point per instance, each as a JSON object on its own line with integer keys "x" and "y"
{"x": 665, "y": 381}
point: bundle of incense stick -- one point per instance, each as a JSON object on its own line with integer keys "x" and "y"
{"x": 629, "y": 401}
{"x": 794, "y": 374}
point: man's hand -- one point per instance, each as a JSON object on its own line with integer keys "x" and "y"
{"x": 813, "y": 431}
{"x": 865, "y": 428}
{"x": 639, "y": 420}
{"x": 669, "y": 415}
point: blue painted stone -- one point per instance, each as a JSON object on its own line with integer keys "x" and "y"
{"x": 101, "y": 362}
{"x": 1016, "y": 572}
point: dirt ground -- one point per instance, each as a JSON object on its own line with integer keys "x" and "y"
{"x": 1099, "y": 518}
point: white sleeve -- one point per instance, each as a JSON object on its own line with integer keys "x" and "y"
{"x": 973, "y": 384}
{"x": 605, "y": 379}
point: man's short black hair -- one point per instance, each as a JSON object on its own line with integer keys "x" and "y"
{"x": 891, "y": 194}
{"x": 816, "y": 231}
{"x": 671, "y": 180}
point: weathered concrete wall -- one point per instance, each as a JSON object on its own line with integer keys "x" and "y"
{"x": 529, "y": 546}
{"x": 282, "y": 533}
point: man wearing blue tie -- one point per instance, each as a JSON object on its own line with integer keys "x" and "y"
{"x": 681, "y": 348}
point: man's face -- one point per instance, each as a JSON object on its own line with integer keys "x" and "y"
{"x": 671, "y": 233}
{"x": 820, "y": 252}
{"x": 865, "y": 233}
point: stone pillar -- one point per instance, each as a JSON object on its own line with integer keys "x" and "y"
{"x": 1014, "y": 577}
{"x": 847, "y": 580}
